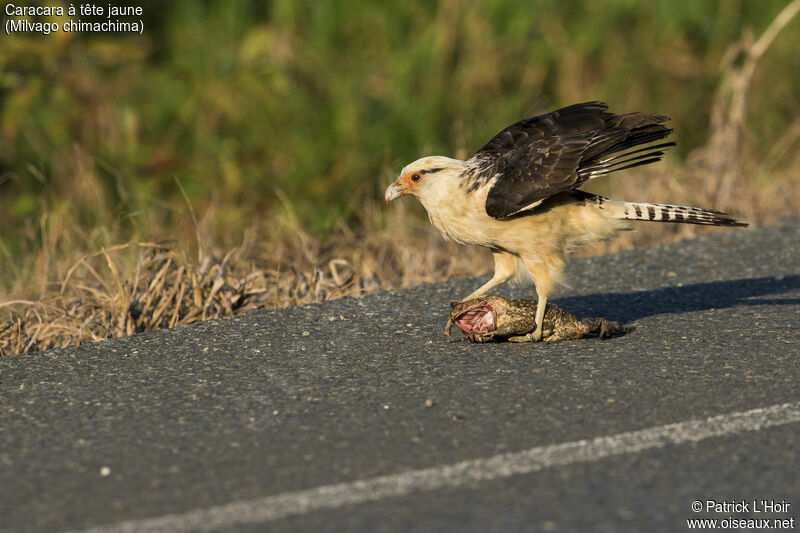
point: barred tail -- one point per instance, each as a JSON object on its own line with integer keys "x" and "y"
{"x": 668, "y": 213}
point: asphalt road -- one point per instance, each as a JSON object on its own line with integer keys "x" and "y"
{"x": 359, "y": 415}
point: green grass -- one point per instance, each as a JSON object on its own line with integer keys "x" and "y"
{"x": 320, "y": 103}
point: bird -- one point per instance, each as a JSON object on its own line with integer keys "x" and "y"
{"x": 519, "y": 194}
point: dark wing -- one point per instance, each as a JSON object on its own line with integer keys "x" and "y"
{"x": 576, "y": 118}
{"x": 541, "y": 156}
{"x": 530, "y": 173}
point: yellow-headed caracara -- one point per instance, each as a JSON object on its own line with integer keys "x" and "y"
{"x": 518, "y": 194}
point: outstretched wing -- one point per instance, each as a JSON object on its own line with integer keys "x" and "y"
{"x": 541, "y": 156}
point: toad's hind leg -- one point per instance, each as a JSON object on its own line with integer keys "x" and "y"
{"x": 604, "y": 328}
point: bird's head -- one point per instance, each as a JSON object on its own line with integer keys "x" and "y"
{"x": 416, "y": 177}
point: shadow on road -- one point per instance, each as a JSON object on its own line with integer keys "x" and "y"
{"x": 631, "y": 306}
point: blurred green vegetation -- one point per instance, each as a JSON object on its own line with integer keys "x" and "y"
{"x": 322, "y": 101}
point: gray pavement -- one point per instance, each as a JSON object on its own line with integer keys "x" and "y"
{"x": 279, "y": 420}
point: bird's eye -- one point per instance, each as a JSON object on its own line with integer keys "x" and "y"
{"x": 415, "y": 177}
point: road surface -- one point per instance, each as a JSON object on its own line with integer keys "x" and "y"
{"x": 359, "y": 415}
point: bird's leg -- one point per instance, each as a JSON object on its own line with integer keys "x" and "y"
{"x": 540, "y": 308}
{"x": 505, "y": 266}
{"x": 486, "y": 287}
{"x": 545, "y": 273}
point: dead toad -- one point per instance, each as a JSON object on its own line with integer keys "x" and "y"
{"x": 495, "y": 319}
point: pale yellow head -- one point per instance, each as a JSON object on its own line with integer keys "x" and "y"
{"x": 416, "y": 177}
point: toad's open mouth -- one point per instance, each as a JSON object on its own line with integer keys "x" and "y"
{"x": 477, "y": 320}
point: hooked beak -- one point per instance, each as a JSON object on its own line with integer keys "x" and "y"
{"x": 394, "y": 191}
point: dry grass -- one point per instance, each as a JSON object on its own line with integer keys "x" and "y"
{"x": 138, "y": 287}
{"x": 147, "y": 286}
